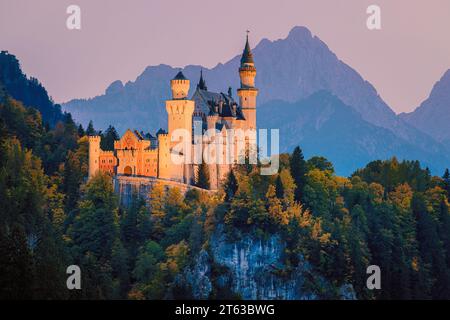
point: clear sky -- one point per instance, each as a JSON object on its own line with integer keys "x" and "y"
{"x": 120, "y": 38}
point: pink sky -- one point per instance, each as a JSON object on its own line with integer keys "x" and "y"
{"x": 120, "y": 38}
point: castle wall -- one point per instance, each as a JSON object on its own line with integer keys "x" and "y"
{"x": 126, "y": 186}
{"x": 107, "y": 162}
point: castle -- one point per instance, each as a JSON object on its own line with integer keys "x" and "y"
{"x": 210, "y": 114}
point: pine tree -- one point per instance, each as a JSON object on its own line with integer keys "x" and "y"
{"x": 81, "y": 131}
{"x": 203, "y": 176}
{"x": 279, "y": 189}
{"x": 90, "y": 131}
{"x": 157, "y": 213}
{"x": 108, "y": 138}
{"x": 230, "y": 186}
{"x": 446, "y": 178}
{"x": 298, "y": 172}
{"x": 16, "y": 266}
{"x": 431, "y": 250}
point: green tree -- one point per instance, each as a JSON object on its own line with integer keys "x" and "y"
{"x": 203, "y": 176}
{"x": 446, "y": 178}
{"x": 147, "y": 261}
{"x": 320, "y": 163}
{"x": 94, "y": 233}
{"x": 279, "y": 189}
{"x": 81, "y": 131}
{"x": 298, "y": 172}
{"x": 431, "y": 250}
{"x": 16, "y": 266}
{"x": 108, "y": 138}
{"x": 230, "y": 186}
{"x": 90, "y": 131}
{"x": 32, "y": 257}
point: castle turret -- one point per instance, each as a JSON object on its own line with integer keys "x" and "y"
{"x": 94, "y": 153}
{"x": 180, "y": 86}
{"x": 180, "y": 111}
{"x": 163, "y": 155}
{"x": 247, "y": 92}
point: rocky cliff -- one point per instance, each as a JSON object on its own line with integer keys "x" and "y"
{"x": 255, "y": 269}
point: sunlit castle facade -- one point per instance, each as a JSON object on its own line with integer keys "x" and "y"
{"x": 201, "y": 128}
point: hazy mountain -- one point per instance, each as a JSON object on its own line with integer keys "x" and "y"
{"x": 323, "y": 125}
{"x": 287, "y": 70}
{"x": 27, "y": 90}
{"x": 433, "y": 115}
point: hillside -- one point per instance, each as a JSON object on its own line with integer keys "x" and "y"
{"x": 27, "y": 90}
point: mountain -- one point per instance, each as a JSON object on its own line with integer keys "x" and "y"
{"x": 323, "y": 125}
{"x": 433, "y": 115}
{"x": 289, "y": 70}
{"x": 27, "y": 90}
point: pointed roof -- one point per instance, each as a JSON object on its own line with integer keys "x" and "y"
{"x": 180, "y": 76}
{"x": 201, "y": 83}
{"x": 247, "y": 56}
{"x": 160, "y": 131}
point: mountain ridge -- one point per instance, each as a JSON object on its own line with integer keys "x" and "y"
{"x": 433, "y": 114}
{"x": 323, "y": 125}
{"x": 289, "y": 69}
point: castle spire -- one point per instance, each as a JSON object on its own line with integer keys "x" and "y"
{"x": 201, "y": 83}
{"x": 247, "y": 56}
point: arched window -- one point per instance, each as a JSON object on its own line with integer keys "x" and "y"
{"x": 128, "y": 171}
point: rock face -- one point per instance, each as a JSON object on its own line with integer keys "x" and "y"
{"x": 254, "y": 264}
{"x": 255, "y": 270}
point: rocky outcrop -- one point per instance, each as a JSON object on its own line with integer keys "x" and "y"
{"x": 255, "y": 269}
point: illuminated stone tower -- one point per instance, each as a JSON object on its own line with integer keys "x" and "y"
{"x": 94, "y": 153}
{"x": 180, "y": 111}
{"x": 247, "y": 92}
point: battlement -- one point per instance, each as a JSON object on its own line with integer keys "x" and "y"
{"x": 151, "y": 151}
{"x": 102, "y": 152}
{"x": 163, "y": 135}
{"x": 94, "y": 138}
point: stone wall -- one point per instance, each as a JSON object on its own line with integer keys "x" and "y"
{"x": 125, "y": 186}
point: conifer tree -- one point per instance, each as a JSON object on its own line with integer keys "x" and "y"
{"x": 90, "y": 131}
{"x": 446, "y": 178}
{"x": 203, "y": 176}
{"x": 279, "y": 189}
{"x": 108, "y": 138}
{"x": 230, "y": 186}
{"x": 81, "y": 131}
{"x": 298, "y": 172}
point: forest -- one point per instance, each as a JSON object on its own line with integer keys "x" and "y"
{"x": 391, "y": 213}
